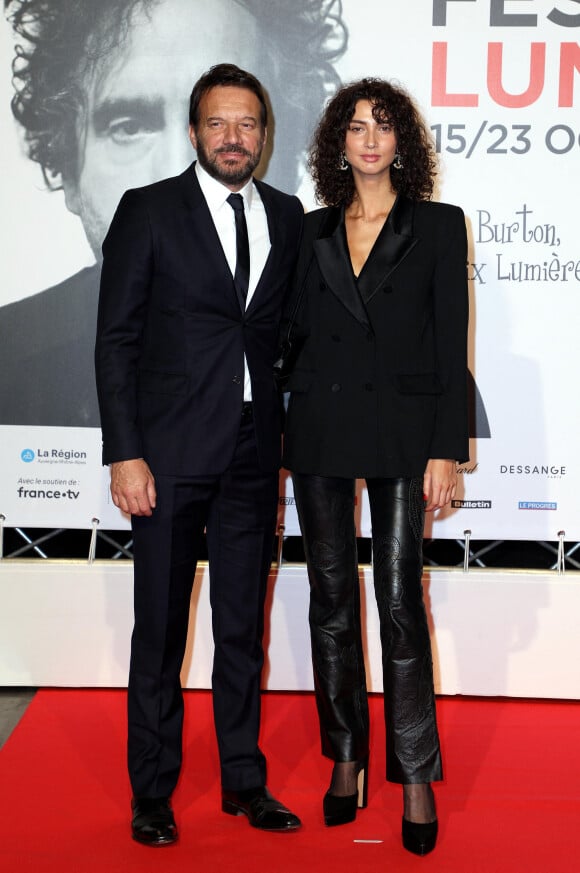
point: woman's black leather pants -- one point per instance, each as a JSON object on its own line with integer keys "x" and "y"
{"x": 326, "y": 512}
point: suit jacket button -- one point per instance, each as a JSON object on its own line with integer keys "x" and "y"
{"x": 370, "y": 337}
{"x": 236, "y": 380}
{"x": 335, "y": 387}
{"x": 335, "y": 338}
{"x": 323, "y": 286}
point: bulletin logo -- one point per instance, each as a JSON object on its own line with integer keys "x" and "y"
{"x": 27, "y": 455}
{"x": 471, "y": 504}
{"x": 537, "y": 504}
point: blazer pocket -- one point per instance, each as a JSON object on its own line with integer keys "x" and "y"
{"x": 418, "y": 383}
{"x": 153, "y": 382}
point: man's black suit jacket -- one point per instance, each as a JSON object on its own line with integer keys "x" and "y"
{"x": 171, "y": 336}
{"x": 380, "y": 385}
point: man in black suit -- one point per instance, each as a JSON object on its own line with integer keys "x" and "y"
{"x": 191, "y": 291}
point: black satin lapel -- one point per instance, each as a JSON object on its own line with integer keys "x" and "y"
{"x": 196, "y": 205}
{"x": 205, "y": 230}
{"x": 392, "y": 246}
{"x": 276, "y": 239}
{"x": 334, "y": 262}
{"x": 190, "y": 190}
{"x": 273, "y": 225}
{"x": 263, "y": 280}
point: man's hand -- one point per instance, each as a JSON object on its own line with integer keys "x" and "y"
{"x": 133, "y": 487}
{"x": 439, "y": 483}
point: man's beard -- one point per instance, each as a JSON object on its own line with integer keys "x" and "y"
{"x": 233, "y": 175}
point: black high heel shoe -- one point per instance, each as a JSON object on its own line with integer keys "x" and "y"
{"x": 419, "y": 838}
{"x": 341, "y": 809}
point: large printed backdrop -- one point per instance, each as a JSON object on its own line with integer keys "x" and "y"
{"x": 498, "y": 82}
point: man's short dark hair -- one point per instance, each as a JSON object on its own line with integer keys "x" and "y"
{"x": 224, "y": 75}
{"x": 57, "y": 40}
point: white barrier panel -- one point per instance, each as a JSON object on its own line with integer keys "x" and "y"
{"x": 494, "y": 633}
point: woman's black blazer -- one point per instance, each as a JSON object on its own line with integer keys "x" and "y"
{"x": 379, "y": 386}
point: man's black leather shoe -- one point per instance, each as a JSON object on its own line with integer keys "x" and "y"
{"x": 153, "y": 823}
{"x": 263, "y": 810}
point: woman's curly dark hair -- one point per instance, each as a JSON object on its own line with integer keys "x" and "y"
{"x": 335, "y": 187}
{"x": 58, "y": 40}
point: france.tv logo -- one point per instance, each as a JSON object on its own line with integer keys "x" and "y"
{"x": 27, "y": 455}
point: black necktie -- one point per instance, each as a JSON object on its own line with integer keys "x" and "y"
{"x": 242, "y": 274}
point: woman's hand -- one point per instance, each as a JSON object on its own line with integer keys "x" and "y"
{"x": 439, "y": 483}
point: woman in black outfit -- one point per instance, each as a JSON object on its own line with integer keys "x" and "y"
{"x": 378, "y": 392}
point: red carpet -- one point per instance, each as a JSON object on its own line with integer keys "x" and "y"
{"x": 510, "y": 800}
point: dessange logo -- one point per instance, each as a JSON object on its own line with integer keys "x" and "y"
{"x": 550, "y": 471}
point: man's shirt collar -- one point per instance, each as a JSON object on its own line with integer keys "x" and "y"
{"x": 216, "y": 193}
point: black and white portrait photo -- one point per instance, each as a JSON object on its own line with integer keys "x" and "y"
{"x": 99, "y": 95}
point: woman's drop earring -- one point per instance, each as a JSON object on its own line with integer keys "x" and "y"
{"x": 397, "y": 163}
{"x": 343, "y": 164}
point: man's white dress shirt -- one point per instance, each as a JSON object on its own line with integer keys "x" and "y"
{"x": 216, "y": 195}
